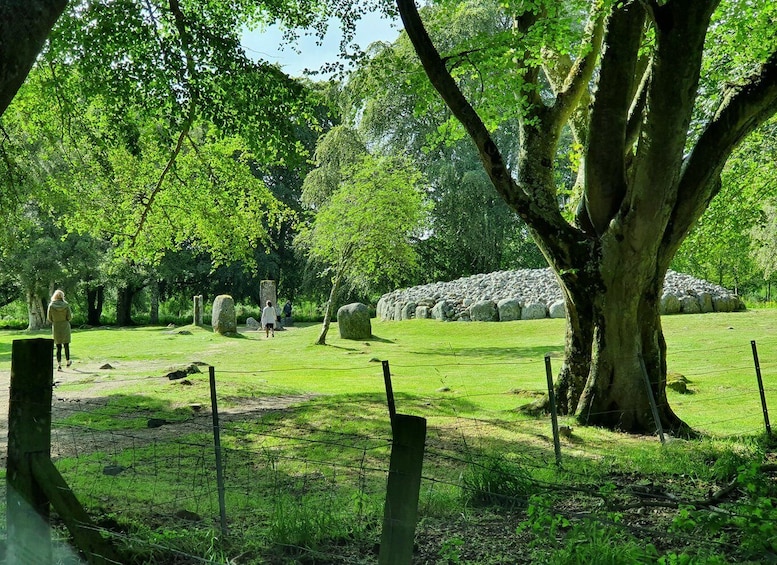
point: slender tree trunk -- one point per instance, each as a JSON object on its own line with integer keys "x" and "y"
{"x": 36, "y": 311}
{"x": 328, "y": 310}
{"x": 95, "y": 298}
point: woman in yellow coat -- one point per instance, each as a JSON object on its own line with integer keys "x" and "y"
{"x": 59, "y": 315}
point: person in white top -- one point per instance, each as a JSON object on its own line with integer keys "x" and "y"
{"x": 268, "y": 319}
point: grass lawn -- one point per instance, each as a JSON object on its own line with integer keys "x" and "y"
{"x": 297, "y": 414}
{"x": 479, "y": 366}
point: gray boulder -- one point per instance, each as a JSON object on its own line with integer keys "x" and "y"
{"x": 509, "y": 309}
{"x": 483, "y": 311}
{"x": 690, "y": 305}
{"x": 354, "y": 321}
{"x": 442, "y": 310}
{"x": 422, "y": 312}
{"x": 534, "y": 311}
{"x": 670, "y": 304}
{"x": 252, "y": 323}
{"x": 705, "y": 302}
{"x": 408, "y": 311}
{"x": 223, "y": 318}
{"x": 558, "y": 309}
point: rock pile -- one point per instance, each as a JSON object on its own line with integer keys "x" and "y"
{"x": 530, "y": 294}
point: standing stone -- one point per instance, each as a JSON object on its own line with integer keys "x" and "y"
{"x": 268, "y": 291}
{"x": 354, "y": 321}
{"x": 224, "y": 318}
{"x": 198, "y": 310}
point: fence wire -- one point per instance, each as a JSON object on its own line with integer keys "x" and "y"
{"x": 300, "y": 484}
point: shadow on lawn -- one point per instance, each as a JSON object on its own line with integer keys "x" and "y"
{"x": 511, "y": 353}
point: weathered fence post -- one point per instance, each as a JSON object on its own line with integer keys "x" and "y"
{"x": 553, "y": 409}
{"x": 400, "y": 512}
{"x": 33, "y": 484}
{"x": 761, "y": 388}
{"x": 29, "y": 433}
{"x": 217, "y": 444}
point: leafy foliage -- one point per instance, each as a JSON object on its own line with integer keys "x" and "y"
{"x": 364, "y": 230}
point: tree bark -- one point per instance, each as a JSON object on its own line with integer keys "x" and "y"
{"x": 124, "y": 305}
{"x": 94, "y": 305}
{"x": 627, "y": 330}
{"x": 24, "y": 27}
{"x": 36, "y": 311}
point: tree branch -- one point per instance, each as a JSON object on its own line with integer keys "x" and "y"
{"x": 180, "y": 25}
{"x": 742, "y": 110}
{"x": 576, "y": 83}
{"x": 449, "y": 91}
{"x": 680, "y": 29}
{"x": 542, "y": 210}
{"x": 605, "y": 170}
{"x": 24, "y": 28}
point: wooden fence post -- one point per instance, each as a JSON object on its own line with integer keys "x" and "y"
{"x": 400, "y": 512}
{"x": 29, "y": 433}
{"x": 33, "y": 484}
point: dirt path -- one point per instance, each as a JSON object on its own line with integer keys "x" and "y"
{"x": 64, "y": 402}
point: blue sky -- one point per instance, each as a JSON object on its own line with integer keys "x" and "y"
{"x": 267, "y": 44}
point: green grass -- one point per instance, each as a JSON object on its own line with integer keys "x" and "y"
{"x": 311, "y": 471}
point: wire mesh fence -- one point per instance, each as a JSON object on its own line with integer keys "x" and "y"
{"x": 305, "y": 475}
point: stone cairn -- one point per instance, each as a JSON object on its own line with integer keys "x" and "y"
{"x": 532, "y": 294}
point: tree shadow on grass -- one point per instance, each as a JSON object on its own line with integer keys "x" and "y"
{"x": 512, "y": 353}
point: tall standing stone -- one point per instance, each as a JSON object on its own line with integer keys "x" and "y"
{"x": 198, "y": 310}
{"x": 267, "y": 291}
{"x": 224, "y": 318}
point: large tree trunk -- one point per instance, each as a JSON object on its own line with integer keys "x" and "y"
{"x": 627, "y": 341}
{"x": 36, "y": 311}
{"x": 124, "y": 305}
{"x": 95, "y": 298}
{"x": 578, "y": 345}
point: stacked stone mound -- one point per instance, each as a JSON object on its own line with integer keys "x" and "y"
{"x": 532, "y": 294}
